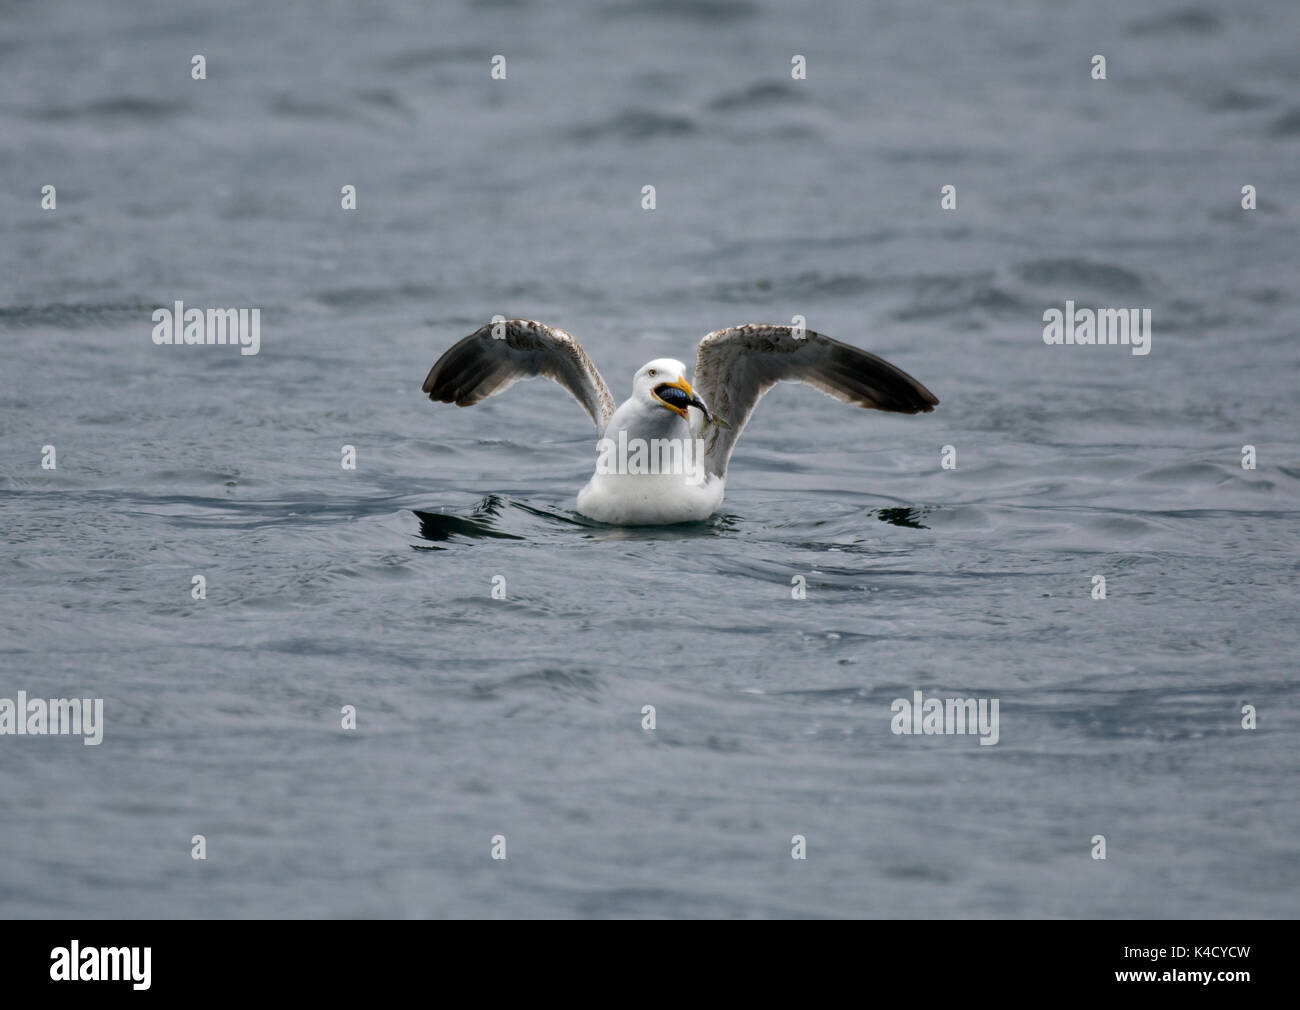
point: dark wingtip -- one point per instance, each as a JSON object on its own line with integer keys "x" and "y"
{"x": 464, "y": 374}
{"x": 911, "y": 398}
{"x": 923, "y": 401}
{"x": 444, "y": 392}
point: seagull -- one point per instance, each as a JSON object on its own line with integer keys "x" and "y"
{"x": 662, "y": 454}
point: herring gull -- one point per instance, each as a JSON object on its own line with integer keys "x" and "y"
{"x": 659, "y": 461}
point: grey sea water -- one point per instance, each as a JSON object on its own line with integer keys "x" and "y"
{"x": 522, "y": 717}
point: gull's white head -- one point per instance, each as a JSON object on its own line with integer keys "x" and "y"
{"x": 663, "y": 382}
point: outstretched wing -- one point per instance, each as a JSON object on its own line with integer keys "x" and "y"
{"x": 736, "y": 366}
{"x": 500, "y": 354}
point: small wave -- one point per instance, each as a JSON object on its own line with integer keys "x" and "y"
{"x": 145, "y": 110}
{"x": 759, "y": 95}
{"x": 902, "y": 516}
{"x": 374, "y": 107}
{"x": 1063, "y": 274}
{"x": 930, "y": 295}
{"x": 1233, "y": 100}
{"x": 568, "y": 681}
{"x": 358, "y": 297}
{"x": 1287, "y": 125}
{"x": 1192, "y": 473}
{"x": 480, "y": 524}
{"x": 712, "y": 11}
{"x": 806, "y": 285}
{"x": 638, "y": 124}
{"x": 293, "y": 107}
{"x": 956, "y": 295}
{"x": 387, "y": 102}
{"x": 416, "y": 59}
{"x": 72, "y": 316}
{"x": 1187, "y": 21}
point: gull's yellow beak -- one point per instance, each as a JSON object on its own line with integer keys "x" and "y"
{"x": 685, "y": 387}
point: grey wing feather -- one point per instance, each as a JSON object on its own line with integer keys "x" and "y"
{"x": 736, "y": 366}
{"x": 482, "y": 364}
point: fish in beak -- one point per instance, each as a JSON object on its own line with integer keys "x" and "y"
{"x": 679, "y": 397}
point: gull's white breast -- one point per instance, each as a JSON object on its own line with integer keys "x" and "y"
{"x": 649, "y": 499}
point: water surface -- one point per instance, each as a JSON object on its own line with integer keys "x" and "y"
{"x": 522, "y": 717}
